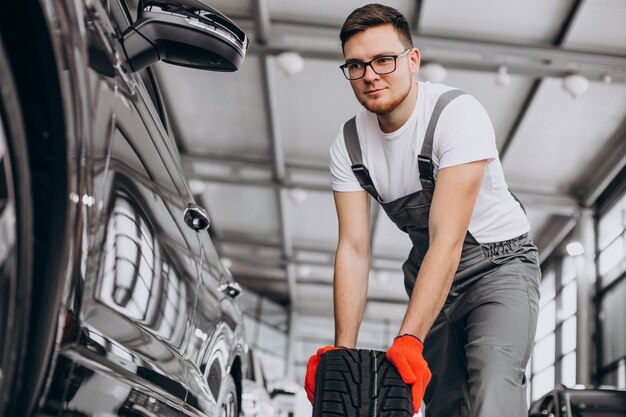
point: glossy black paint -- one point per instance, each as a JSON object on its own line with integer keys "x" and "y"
{"x": 580, "y": 401}
{"x": 142, "y": 314}
{"x": 184, "y": 32}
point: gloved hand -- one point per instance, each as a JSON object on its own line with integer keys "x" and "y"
{"x": 406, "y": 355}
{"x": 311, "y": 370}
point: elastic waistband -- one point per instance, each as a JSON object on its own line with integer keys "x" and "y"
{"x": 506, "y": 246}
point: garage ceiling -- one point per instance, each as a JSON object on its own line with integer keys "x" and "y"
{"x": 256, "y": 142}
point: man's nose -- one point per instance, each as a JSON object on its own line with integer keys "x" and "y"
{"x": 370, "y": 74}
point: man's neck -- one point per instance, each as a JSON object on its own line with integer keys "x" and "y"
{"x": 394, "y": 120}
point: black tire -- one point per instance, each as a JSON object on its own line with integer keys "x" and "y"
{"x": 16, "y": 240}
{"x": 229, "y": 407}
{"x": 360, "y": 383}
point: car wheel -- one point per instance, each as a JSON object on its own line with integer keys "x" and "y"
{"x": 16, "y": 238}
{"x": 229, "y": 406}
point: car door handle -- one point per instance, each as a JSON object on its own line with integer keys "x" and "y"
{"x": 196, "y": 217}
{"x": 231, "y": 289}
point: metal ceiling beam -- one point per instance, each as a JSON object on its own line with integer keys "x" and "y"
{"x": 558, "y": 43}
{"x": 566, "y": 28}
{"x": 261, "y": 176}
{"x": 278, "y": 170}
{"x": 530, "y": 98}
{"x": 258, "y": 241}
{"x": 415, "y": 19}
{"x": 540, "y": 61}
{"x": 269, "y": 265}
{"x": 279, "y": 167}
{"x": 262, "y": 22}
{"x": 245, "y": 161}
{"x": 554, "y": 202}
{"x": 604, "y": 168}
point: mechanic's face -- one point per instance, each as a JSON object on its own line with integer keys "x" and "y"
{"x": 381, "y": 94}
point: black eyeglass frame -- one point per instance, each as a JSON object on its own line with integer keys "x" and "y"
{"x": 344, "y": 67}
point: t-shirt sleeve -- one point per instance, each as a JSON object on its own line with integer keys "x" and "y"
{"x": 343, "y": 178}
{"x": 464, "y": 134}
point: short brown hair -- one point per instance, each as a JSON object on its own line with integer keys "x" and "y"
{"x": 373, "y": 15}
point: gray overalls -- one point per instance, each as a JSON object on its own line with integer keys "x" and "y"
{"x": 480, "y": 343}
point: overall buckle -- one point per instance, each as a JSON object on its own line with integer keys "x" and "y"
{"x": 362, "y": 174}
{"x": 425, "y": 166}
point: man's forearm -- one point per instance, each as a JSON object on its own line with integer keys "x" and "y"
{"x": 431, "y": 289}
{"x": 350, "y": 294}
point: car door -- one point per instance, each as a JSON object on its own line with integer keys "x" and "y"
{"x": 218, "y": 324}
{"x": 208, "y": 317}
{"x": 141, "y": 291}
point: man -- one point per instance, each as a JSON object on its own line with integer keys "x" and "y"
{"x": 427, "y": 154}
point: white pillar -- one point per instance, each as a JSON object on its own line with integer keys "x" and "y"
{"x": 586, "y": 278}
{"x": 621, "y": 373}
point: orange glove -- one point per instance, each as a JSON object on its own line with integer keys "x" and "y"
{"x": 406, "y": 355}
{"x": 311, "y": 370}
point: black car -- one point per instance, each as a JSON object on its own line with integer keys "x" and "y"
{"x": 580, "y": 402}
{"x": 112, "y": 298}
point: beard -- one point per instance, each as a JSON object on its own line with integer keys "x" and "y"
{"x": 384, "y": 107}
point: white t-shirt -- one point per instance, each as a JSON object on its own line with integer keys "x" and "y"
{"x": 463, "y": 134}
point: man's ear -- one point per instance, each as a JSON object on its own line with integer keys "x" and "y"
{"x": 414, "y": 59}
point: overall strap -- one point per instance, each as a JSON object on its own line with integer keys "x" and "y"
{"x": 424, "y": 159}
{"x": 351, "y": 138}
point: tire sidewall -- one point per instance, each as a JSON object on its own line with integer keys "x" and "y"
{"x": 12, "y": 353}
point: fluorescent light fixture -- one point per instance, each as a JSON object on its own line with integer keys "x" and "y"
{"x": 575, "y": 249}
{"x": 575, "y": 84}
{"x": 503, "y": 78}
{"x": 298, "y": 195}
{"x": 196, "y": 186}
{"x": 290, "y": 62}
{"x": 433, "y": 72}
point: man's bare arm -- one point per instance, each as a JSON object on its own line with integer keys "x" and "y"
{"x": 351, "y": 265}
{"x": 450, "y": 212}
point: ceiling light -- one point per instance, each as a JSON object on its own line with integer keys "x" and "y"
{"x": 575, "y": 249}
{"x": 575, "y": 84}
{"x": 290, "y": 62}
{"x": 196, "y": 186}
{"x": 503, "y": 77}
{"x": 298, "y": 195}
{"x": 382, "y": 277}
{"x": 304, "y": 271}
{"x": 433, "y": 72}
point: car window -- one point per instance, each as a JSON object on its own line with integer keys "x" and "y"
{"x": 119, "y": 12}
{"x": 590, "y": 403}
{"x": 123, "y": 13}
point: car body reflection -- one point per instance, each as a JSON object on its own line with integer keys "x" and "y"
{"x": 128, "y": 310}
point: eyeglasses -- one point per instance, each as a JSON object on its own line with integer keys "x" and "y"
{"x": 381, "y": 65}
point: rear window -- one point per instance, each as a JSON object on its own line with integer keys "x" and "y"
{"x": 598, "y": 403}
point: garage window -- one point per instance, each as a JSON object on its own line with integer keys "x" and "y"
{"x": 266, "y": 324}
{"x": 612, "y": 292}
{"x": 554, "y": 355}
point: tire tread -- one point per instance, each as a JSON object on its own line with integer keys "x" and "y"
{"x": 345, "y": 386}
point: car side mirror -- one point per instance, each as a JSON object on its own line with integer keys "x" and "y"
{"x": 186, "y": 33}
